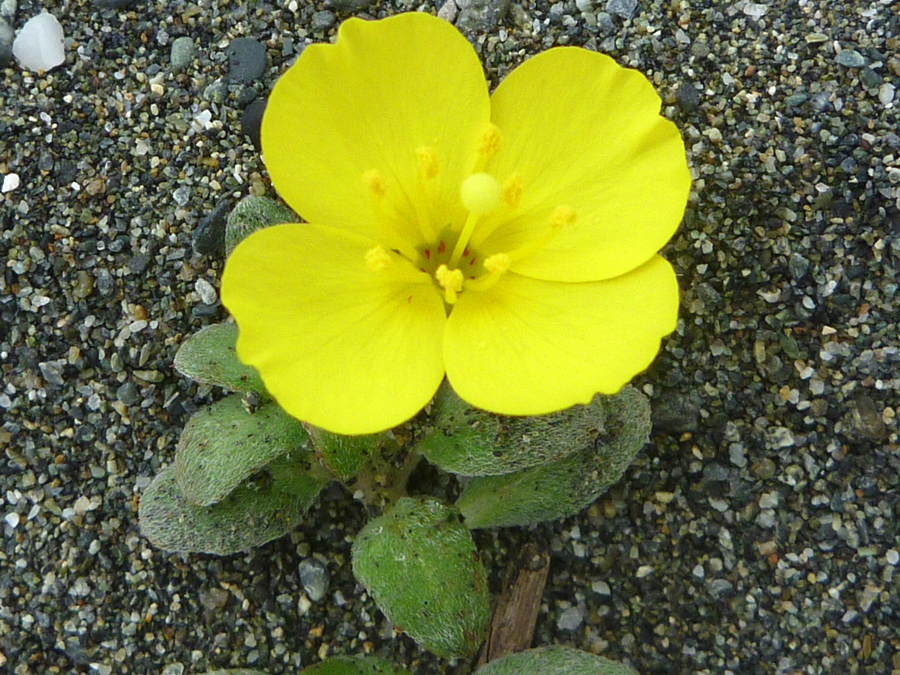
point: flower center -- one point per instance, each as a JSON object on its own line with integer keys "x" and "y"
{"x": 447, "y": 255}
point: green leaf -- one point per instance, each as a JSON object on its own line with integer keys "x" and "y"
{"x": 343, "y": 455}
{"x": 419, "y": 563}
{"x": 354, "y": 665}
{"x": 564, "y": 487}
{"x": 209, "y": 356}
{"x": 556, "y": 660}
{"x": 266, "y": 507}
{"x": 472, "y": 442}
{"x": 251, "y": 214}
{"x": 223, "y": 445}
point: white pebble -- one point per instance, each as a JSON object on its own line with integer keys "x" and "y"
{"x": 82, "y": 505}
{"x": 886, "y": 93}
{"x": 570, "y": 619}
{"x": 769, "y": 500}
{"x": 39, "y": 45}
{"x": 644, "y": 571}
{"x": 12, "y": 519}
{"x": 206, "y": 291}
{"x": 10, "y": 182}
{"x": 892, "y": 556}
{"x": 601, "y": 588}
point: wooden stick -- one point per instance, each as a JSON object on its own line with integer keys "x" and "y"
{"x": 517, "y": 607}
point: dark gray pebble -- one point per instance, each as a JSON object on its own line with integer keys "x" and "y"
{"x": 209, "y": 236}
{"x": 138, "y": 263}
{"x": 850, "y": 58}
{"x": 687, "y": 97}
{"x": 246, "y": 60}
{"x": 114, "y": 4}
{"x": 105, "y": 283}
{"x": 674, "y": 413}
{"x": 870, "y": 79}
{"x": 7, "y": 35}
{"x": 349, "y": 5}
{"x": 322, "y": 21}
{"x": 622, "y": 8}
{"x": 251, "y": 121}
{"x": 605, "y": 24}
{"x": 128, "y": 394}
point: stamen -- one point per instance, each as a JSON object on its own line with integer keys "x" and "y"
{"x": 562, "y": 217}
{"x": 378, "y": 259}
{"x": 390, "y": 233}
{"x": 429, "y": 167}
{"x": 496, "y": 265}
{"x": 451, "y": 281}
{"x": 512, "y": 191}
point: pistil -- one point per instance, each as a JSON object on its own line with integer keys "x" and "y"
{"x": 481, "y": 195}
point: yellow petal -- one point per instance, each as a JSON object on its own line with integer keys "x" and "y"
{"x": 530, "y": 347}
{"x": 585, "y": 133}
{"x": 344, "y": 344}
{"x": 383, "y": 96}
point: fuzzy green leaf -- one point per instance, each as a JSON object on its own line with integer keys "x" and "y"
{"x": 471, "y": 442}
{"x": 209, "y": 356}
{"x": 554, "y": 661}
{"x": 354, "y": 665}
{"x": 343, "y": 455}
{"x": 266, "y": 507}
{"x": 223, "y": 445}
{"x": 564, "y": 487}
{"x": 251, "y": 214}
{"x": 419, "y": 563}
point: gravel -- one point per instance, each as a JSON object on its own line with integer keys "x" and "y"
{"x": 756, "y": 534}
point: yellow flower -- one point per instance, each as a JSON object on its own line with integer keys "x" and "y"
{"x": 508, "y": 241}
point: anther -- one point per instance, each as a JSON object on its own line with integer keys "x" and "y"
{"x": 490, "y": 142}
{"x": 451, "y": 281}
{"x": 562, "y": 216}
{"x": 378, "y": 259}
{"x": 428, "y": 162}
{"x": 495, "y": 266}
{"x": 497, "y": 263}
{"x": 512, "y": 191}
{"x": 374, "y": 181}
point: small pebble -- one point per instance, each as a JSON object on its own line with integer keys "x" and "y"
{"x": 314, "y": 577}
{"x": 323, "y": 20}
{"x": 247, "y": 61}
{"x": 251, "y": 121}
{"x": 850, "y": 58}
{"x": 11, "y": 182}
{"x": 209, "y": 235}
{"x": 182, "y": 53}
{"x": 205, "y": 290}
{"x": 570, "y": 619}
{"x": 39, "y": 45}
{"x": 622, "y": 8}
